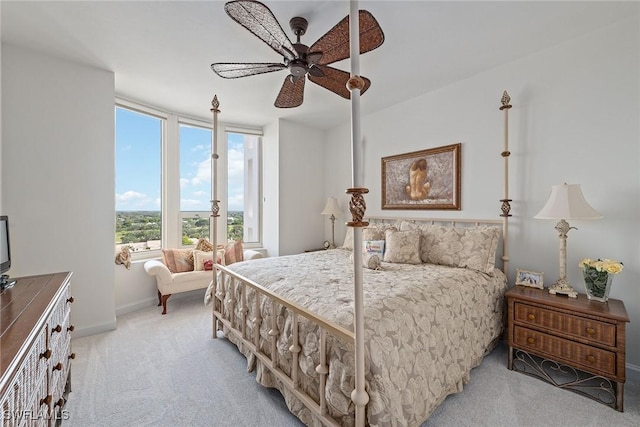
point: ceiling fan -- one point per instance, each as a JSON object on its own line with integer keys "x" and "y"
{"x": 300, "y": 60}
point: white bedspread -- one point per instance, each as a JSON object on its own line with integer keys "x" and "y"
{"x": 426, "y": 327}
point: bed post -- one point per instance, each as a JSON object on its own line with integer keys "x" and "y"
{"x": 215, "y": 208}
{"x": 357, "y": 206}
{"x": 506, "y": 201}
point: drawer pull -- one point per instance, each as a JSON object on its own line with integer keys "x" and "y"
{"x": 531, "y": 340}
{"x": 57, "y": 329}
{"x": 46, "y": 400}
{"x": 70, "y": 299}
{"x": 60, "y": 402}
{"x": 71, "y": 328}
{"x": 591, "y": 331}
{"x": 531, "y": 316}
{"x": 72, "y": 356}
{"x": 591, "y": 358}
{"x": 46, "y": 354}
{"x": 57, "y": 367}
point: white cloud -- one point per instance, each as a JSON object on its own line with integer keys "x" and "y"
{"x": 202, "y": 174}
{"x": 131, "y": 200}
{"x": 185, "y": 204}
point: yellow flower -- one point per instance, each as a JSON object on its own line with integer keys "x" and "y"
{"x": 602, "y": 265}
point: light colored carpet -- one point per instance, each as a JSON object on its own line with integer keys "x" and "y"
{"x": 167, "y": 371}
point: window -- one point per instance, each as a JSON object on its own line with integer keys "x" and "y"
{"x": 195, "y": 183}
{"x": 138, "y": 184}
{"x": 164, "y": 186}
{"x": 243, "y": 187}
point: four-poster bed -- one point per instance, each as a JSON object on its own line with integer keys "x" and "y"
{"x": 300, "y": 319}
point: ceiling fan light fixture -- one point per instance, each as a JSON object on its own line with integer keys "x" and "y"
{"x": 300, "y": 60}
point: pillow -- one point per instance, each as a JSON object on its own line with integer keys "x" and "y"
{"x": 370, "y": 261}
{"x": 371, "y": 232}
{"x": 348, "y": 239}
{"x": 202, "y": 245}
{"x": 402, "y": 246}
{"x": 467, "y": 247}
{"x": 233, "y": 252}
{"x": 373, "y": 247}
{"x": 178, "y": 260}
{"x": 200, "y": 257}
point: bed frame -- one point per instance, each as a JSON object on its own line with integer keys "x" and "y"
{"x": 357, "y": 206}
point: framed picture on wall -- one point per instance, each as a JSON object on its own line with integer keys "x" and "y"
{"x": 427, "y": 179}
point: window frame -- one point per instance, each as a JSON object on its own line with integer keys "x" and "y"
{"x": 170, "y": 213}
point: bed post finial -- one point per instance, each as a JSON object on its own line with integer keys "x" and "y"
{"x": 505, "y": 206}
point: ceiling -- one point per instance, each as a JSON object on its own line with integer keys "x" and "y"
{"x": 161, "y": 51}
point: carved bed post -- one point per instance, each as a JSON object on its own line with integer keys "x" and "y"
{"x": 357, "y": 206}
{"x": 215, "y": 208}
{"x": 506, "y": 201}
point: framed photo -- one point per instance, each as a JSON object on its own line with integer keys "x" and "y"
{"x": 427, "y": 179}
{"x": 529, "y": 278}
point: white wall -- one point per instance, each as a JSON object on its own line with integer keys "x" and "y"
{"x": 58, "y": 177}
{"x": 271, "y": 188}
{"x": 301, "y": 188}
{"x": 574, "y": 119}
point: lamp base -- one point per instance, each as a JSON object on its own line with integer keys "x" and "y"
{"x": 563, "y": 287}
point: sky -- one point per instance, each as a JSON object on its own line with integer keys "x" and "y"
{"x": 139, "y": 165}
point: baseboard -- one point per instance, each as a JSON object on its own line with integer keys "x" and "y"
{"x": 149, "y": 302}
{"x": 94, "y": 329}
{"x": 633, "y": 372}
{"x": 135, "y": 306}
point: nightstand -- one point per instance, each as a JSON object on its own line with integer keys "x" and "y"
{"x": 572, "y": 343}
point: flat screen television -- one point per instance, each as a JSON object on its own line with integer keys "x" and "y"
{"x": 5, "y": 253}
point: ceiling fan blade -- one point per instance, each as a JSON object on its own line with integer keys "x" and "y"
{"x": 336, "y": 81}
{"x": 316, "y": 71}
{"x": 334, "y": 45}
{"x": 257, "y": 18}
{"x": 291, "y": 94}
{"x": 232, "y": 70}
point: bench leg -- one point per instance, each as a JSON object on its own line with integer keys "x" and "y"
{"x": 164, "y": 302}
{"x": 159, "y": 299}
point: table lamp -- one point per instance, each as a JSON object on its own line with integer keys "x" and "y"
{"x": 566, "y": 202}
{"x": 332, "y": 209}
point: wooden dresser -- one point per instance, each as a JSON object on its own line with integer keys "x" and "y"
{"x": 35, "y": 356}
{"x": 573, "y": 343}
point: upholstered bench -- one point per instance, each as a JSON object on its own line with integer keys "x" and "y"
{"x": 172, "y": 283}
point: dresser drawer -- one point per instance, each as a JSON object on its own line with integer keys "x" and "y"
{"x": 576, "y": 354}
{"x": 593, "y": 330}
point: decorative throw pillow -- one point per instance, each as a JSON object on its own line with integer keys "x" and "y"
{"x": 370, "y": 261}
{"x": 178, "y": 260}
{"x": 373, "y": 247}
{"x": 402, "y": 246}
{"x": 233, "y": 252}
{"x": 200, "y": 257}
{"x": 202, "y": 245}
{"x": 467, "y": 247}
{"x": 371, "y": 232}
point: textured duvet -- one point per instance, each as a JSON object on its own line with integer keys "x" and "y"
{"x": 426, "y": 327}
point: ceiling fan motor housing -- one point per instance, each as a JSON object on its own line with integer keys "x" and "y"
{"x": 299, "y": 66}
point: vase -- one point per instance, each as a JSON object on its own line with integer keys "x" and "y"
{"x": 598, "y": 285}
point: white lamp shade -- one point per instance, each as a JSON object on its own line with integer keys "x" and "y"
{"x": 331, "y": 207}
{"x": 567, "y": 202}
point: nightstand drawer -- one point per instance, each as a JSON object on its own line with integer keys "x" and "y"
{"x": 580, "y": 327}
{"x": 565, "y": 350}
